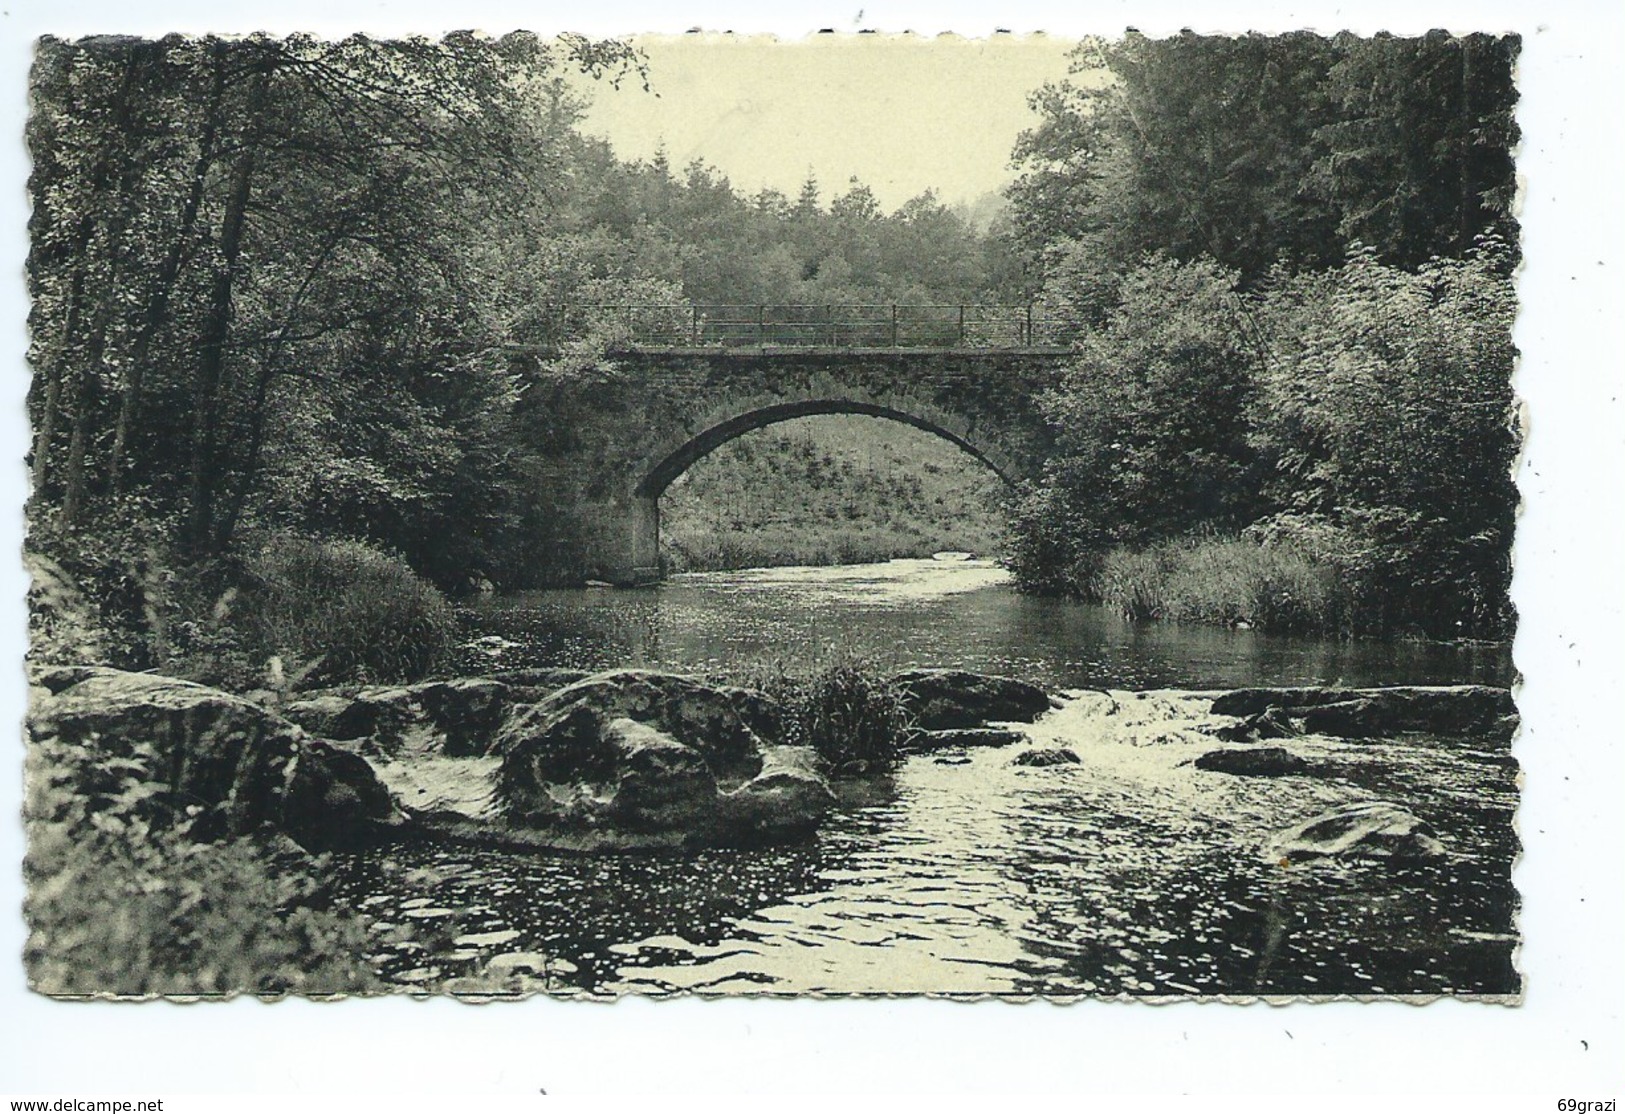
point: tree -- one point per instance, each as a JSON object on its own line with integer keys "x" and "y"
{"x": 1388, "y": 422}
{"x": 224, "y": 230}
{"x": 1190, "y": 146}
{"x": 1418, "y": 158}
{"x": 1152, "y": 424}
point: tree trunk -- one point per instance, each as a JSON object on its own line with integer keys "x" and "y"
{"x": 207, "y": 384}
{"x": 157, "y": 312}
{"x": 57, "y": 369}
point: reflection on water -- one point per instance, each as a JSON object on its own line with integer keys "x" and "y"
{"x": 1129, "y": 873}
{"x": 941, "y": 613}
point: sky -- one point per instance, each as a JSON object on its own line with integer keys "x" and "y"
{"x": 903, "y": 113}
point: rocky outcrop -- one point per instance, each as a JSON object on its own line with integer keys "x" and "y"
{"x": 1047, "y": 756}
{"x": 724, "y": 724}
{"x": 225, "y": 762}
{"x": 650, "y": 753}
{"x": 1252, "y": 762}
{"x": 1368, "y": 829}
{"x": 947, "y": 699}
{"x": 1372, "y": 713}
{"x": 457, "y": 717}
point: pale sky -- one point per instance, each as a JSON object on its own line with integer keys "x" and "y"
{"x": 902, "y": 112}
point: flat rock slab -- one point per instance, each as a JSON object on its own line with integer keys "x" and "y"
{"x": 926, "y": 742}
{"x": 1373, "y": 712}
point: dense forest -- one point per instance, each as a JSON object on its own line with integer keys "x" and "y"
{"x": 294, "y": 333}
{"x": 1290, "y": 260}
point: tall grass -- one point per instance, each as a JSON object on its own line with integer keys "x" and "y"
{"x": 844, "y": 709}
{"x": 1226, "y": 581}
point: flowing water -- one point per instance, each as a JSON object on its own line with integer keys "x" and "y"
{"x": 1129, "y": 872}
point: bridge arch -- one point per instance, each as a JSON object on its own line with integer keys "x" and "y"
{"x": 673, "y": 457}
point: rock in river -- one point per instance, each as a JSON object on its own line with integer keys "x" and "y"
{"x": 650, "y": 753}
{"x": 1047, "y": 756}
{"x": 1373, "y": 713}
{"x": 1363, "y": 829}
{"x": 1253, "y": 761}
{"x": 944, "y": 699}
{"x": 930, "y": 741}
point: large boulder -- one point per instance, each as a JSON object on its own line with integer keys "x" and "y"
{"x": 225, "y": 762}
{"x": 1370, "y": 713}
{"x": 641, "y": 752}
{"x": 1458, "y": 710}
{"x": 723, "y": 723}
{"x": 591, "y": 773}
{"x": 1253, "y": 762}
{"x": 458, "y": 717}
{"x": 1367, "y": 829}
{"x": 944, "y": 699}
{"x": 335, "y": 800}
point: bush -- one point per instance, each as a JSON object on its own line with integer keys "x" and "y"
{"x": 343, "y": 610}
{"x": 842, "y": 709}
{"x": 123, "y": 902}
{"x": 1220, "y": 580}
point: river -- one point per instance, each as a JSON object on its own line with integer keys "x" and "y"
{"x": 1128, "y": 873}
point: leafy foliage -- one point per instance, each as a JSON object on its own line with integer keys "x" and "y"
{"x": 1290, "y": 258}
{"x": 122, "y": 901}
{"x": 1151, "y": 423}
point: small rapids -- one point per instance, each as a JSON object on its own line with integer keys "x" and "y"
{"x": 962, "y": 873}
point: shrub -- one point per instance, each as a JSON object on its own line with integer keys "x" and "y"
{"x": 843, "y": 709}
{"x": 121, "y": 901}
{"x": 1220, "y": 580}
{"x": 352, "y": 611}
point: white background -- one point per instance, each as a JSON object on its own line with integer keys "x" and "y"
{"x": 1565, "y": 1041}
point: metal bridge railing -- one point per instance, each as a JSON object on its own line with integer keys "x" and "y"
{"x": 833, "y": 325}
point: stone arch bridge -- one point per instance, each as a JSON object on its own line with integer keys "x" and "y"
{"x": 660, "y": 408}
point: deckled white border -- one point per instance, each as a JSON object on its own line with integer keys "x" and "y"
{"x": 1568, "y": 590}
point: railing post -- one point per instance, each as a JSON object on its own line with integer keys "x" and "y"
{"x": 761, "y": 325}
{"x": 829, "y": 319}
{"x": 629, "y": 337}
{"x": 961, "y": 326}
{"x": 694, "y": 326}
{"x": 1029, "y": 337}
{"x": 894, "y": 324}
